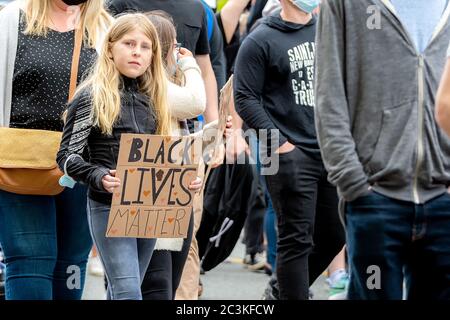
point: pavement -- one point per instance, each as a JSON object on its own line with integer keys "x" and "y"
{"x": 228, "y": 281}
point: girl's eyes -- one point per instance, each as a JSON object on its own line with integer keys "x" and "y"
{"x": 132, "y": 44}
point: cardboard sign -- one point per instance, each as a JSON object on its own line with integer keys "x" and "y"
{"x": 153, "y": 200}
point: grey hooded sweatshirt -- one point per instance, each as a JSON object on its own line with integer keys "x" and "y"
{"x": 375, "y": 96}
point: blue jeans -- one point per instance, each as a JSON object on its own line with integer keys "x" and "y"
{"x": 125, "y": 260}
{"x": 390, "y": 241}
{"x": 43, "y": 238}
{"x": 270, "y": 226}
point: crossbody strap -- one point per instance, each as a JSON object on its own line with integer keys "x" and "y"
{"x": 75, "y": 61}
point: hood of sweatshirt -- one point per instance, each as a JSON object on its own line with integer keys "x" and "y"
{"x": 275, "y": 21}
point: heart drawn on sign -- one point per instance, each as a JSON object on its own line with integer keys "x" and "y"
{"x": 133, "y": 212}
{"x": 132, "y": 170}
{"x": 171, "y": 220}
{"x": 146, "y": 193}
{"x": 114, "y": 231}
{"x": 159, "y": 175}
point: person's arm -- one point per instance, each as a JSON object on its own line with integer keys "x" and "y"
{"x": 211, "y": 112}
{"x": 217, "y": 55}
{"x": 74, "y": 140}
{"x": 443, "y": 100}
{"x": 230, "y": 15}
{"x": 249, "y": 78}
{"x": 188, "y": 101}
{"x": 202, "y": 51}
{"x": 332, "y": 111}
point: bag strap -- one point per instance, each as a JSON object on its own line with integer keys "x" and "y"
{"x": 75, "y": 61}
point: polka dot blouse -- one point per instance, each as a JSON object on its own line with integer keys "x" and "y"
{"x": 42, "y": 76}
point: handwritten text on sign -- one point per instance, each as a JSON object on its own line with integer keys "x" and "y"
{"x": 154, "y": 200}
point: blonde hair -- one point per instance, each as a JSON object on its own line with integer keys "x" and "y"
{"x": 105, "y": 79}
{"x": 93, "y": 18}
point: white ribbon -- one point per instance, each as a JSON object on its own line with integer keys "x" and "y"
{"x": 226, "y": 224}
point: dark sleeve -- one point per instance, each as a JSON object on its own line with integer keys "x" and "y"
{"x": 116, "y": 7}
{"x": 255, "y": 13}
{"x": 74, "y": 140}
{"x": 202, "y": 46}
{"x": 249, "y": 79}
{"x": 217, "y": 55}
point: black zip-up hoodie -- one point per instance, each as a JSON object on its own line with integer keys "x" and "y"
{"x": 274, "y": 81}
{"x": 103, "y": 150}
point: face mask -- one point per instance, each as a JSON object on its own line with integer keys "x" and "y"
{"x": 74, "y": 2}
{"x": 306, "y": 5}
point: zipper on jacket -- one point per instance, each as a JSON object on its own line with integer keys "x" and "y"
{"x": 133, "y": 113}
{"x": 420, "y": 116}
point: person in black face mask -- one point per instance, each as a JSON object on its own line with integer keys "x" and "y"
{"x": 45, "y": 239}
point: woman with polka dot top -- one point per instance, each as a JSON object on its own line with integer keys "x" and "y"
{"x": 45, "y": 239}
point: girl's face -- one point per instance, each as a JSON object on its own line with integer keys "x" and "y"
{"x": 132, "y": 54}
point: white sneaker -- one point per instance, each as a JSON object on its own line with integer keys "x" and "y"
{"x": 95, "y": 267}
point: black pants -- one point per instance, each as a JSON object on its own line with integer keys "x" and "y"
{"x": 254, "y": 224}
{"x": 164, "y": 272}
{"x": 302, "y": 197}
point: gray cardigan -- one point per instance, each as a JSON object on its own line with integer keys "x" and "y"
{"x": 9, "y": 26}
{"x": 375, "y": 99}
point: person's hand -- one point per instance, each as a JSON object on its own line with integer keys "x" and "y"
{"x": 184, "y": 53}
{"x": 110, "y": 182}
{"x": 228, "y": 128}
{"x": 217, "y": 156}
{"x": 196, "y": 185}
{"x": 236, "y": 145}
{"x": 285, "y": 148}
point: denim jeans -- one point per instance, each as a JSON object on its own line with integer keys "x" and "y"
{"x": 310, "y": 233}
{"x": 270, "y": 227}
{"x": 125, "y": 260}
{"x": 43, "y": 238}
{"x": 390, "y": 241}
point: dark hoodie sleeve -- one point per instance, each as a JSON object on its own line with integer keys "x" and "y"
{"x": 249, "y": 78}
{"x": 74, "y": 140}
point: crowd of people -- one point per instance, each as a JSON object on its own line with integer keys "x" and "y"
{"x": 337, "y": 109}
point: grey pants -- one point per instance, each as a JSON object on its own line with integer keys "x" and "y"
{"x": 125, "y": 259}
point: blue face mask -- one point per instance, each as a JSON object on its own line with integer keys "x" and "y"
{"x": 306, "y": 5}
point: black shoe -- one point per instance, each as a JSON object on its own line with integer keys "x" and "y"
{"x": 271, "y": 292}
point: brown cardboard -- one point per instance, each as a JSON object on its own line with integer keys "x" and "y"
{"x": 153, "y": 200}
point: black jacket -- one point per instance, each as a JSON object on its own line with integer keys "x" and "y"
{"x": 102, "y": 150}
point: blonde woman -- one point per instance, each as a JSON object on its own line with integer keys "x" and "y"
{"x": 45, "y": 238}
{"x": 126, "y": 93}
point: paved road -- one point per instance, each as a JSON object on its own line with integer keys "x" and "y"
{"x": 229, "y": 281}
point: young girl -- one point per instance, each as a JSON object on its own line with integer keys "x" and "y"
{"x": 126, "y": 93}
